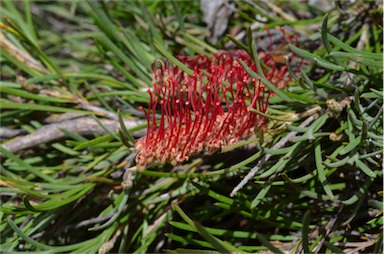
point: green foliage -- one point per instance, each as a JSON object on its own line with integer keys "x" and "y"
{"x": 321, "y": 192}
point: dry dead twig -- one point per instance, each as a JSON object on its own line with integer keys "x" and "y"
{"x": 51, "y": 132}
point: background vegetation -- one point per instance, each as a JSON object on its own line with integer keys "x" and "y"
{"x": 67, "y": 68}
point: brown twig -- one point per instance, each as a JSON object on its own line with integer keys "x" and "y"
{"x": 99, "y": 110}
{"x": 51, "y": 132}
{"x": 9, "y": 133}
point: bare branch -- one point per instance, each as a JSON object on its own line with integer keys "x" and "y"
{"x": 51, "y": 132}
{"x": 9, "y": 133}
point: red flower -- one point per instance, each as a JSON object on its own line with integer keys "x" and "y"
{"x": 205, "y": 111}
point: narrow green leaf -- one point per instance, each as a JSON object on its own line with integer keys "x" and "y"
{"x": 333, "y": 248}
{"x": 116, "y": 213}
{"x": 201, "y": 43}
{"x": 377, "y": 117}
{"x": 9, "y": 84}
{"x": 26, "y": 166}
{"x": 38, "y": 97}
{"x": 317, "y": 90}
{"x": 348, "y": 48}
{"x": 65, "y": 149}
{"x": 321, "y": 171}
{"x": 365, "y": 168}
{"x": 5, "y": 104}
{"x": 107, "y": 79}
{"x": 214, "y": 195}
{"x": 74, "y": 136}
{"x": 173, "y": 59}
{"x": 94, "y": 142}
{"x": 216, "y": 243}
{"x": 183, "y": 240}
{"x": 216, "y": 231}
{"x": 277, "y": 166}
{"x": 290, "y": 70}
{"x": 352, "y": 145}
{"x": 28, "y": 205}
{"x": 44, "y": 78}
{"x": 128, "y": 139}
{"x": 236, "y": 210}
{"x": 297, "y": 128}
{"x": 105, "y": 128}
{"x": 322, "y": 62}
{"x": 238, "y": 43}
{"x": 336, "y": 162}
{"x": 356, "y": 210}
{"x": 267, "y": 243}
{"x": 19, "y": 64}
{"x": 128, "y": 75}
{"x": 133, "y": 43}
{"x": 279, "y": 151}
{"x": 324, "y": 33}
{"x": 359, "y": 194}
{"x": 256, "y": 201}
{"x": 62, "y": 199}
{"x": 268, "y": 84}
{"x": 358, "y": 58}
{"x": 305, "y": 231}
{"x": 102, "y": 20}
{"x": 153, "y": 32}
{"x": 191, "y": 251}
{"x": 370, "y": 155}
{"x": 376, "y": 204}
{"x": 110, "y": 45}
{"x": 28, "y": 15}
{"x": 379, "y": 244}
{"x": 269, "y": 116}
{"x": 26, "y": 238}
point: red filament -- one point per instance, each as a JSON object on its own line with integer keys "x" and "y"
{"x": 208, "y": 110}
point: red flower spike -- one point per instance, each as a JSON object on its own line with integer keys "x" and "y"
{"x": 205, "y": 111}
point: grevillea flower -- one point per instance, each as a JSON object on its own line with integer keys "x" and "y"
{"x": 207, "y": 110}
